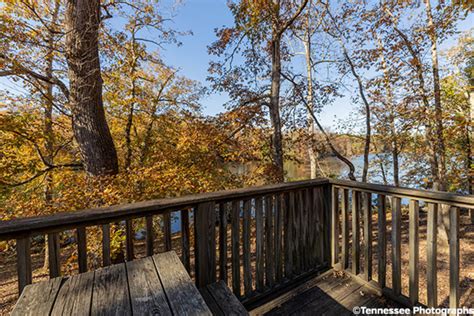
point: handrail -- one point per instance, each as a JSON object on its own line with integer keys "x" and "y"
{"x": 453, "y": 199}
{"x": 20, "y": 227}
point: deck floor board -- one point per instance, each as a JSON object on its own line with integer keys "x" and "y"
{"x": 333, "y": 294}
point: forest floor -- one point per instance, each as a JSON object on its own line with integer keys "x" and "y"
{"x": 9, "y": 285}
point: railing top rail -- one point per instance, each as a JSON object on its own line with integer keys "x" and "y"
{"x": 466, "y": 201}
{"x": 66, "y": 220}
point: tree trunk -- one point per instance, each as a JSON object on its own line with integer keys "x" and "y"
{"x": 311, "y": 152}
{"x": 82, "y": 53}
{"x": 391, "y": 106}
{"x": 277, "y": 143}
{"x": 48, "y": 121}
{"x": 440, "y": 146}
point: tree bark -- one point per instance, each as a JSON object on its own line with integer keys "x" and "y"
{"x": 440, "y": 146}
{"x": 393, "y": 130}
{"x": 310, "y": 121}
{"x": 82, "y": 53}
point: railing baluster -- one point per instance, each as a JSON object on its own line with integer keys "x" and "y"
{"x": 382, "y": 240}
{"x": 129, "y": 239}
{"x": 355, "y": 232}
{"x": 149, "y": 235}
{"x": 335, "y": 226}
{"x": 205, "y": 234}
{"x": 259, "y": 243}
{"x": 298, "y": 232}
{"x": 305, "y": 228}
{"x": 431, "y": 243}
{"x": 454, "y": 257}
{"x": 289, "y": 235}
{"x": 223, "y": 242}
{"x": 236, "y": 248}
{"x": 167, "y": 230}
{"x": 269, "y": 254}
{"x": 23, "y": 253}
{"x": 414, "y": 241}
{"x": 368, "y": 237}
{"x": 186, "y": 257}
{"x": 106, "y": 245}
{"x": 82, "y": 249}
{"x": 396, "y": 246}
{"x": 246, "y": 248}
{"x": 54, "y": 255}
{"x": 278, "y": 237}
{"x": 345, "y": 229}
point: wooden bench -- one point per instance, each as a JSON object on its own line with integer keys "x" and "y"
{"x": 157, "y": 285}
{"x": 221, "y": 300}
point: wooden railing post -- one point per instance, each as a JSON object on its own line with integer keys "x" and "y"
{"x": 223, "y": 242}
{"x": 129, "y": 239}
{"x": 382, "y": 240}
{"x": 355, "y": 232}
{"x": 368, "y": 237}
{"x": 454, "y": 257}
{"x": 54, "y": 255}
{"x": 259, "y": 243}
{"x": 246, "y": 248}
{"x": 431, "y": 243}
{"x": 185, "y": 245}
{"x": 149, "y": 235}
{"x": 167, "y": 230}
{"x": 106, "y": 245}
{"x": 23, "y": 253}
{"x": 235, "y": 237}
{"x": 345, "y": 229}
{"x": 82, "y": 249}
{"x": 205, "y": 234}
{"x": 414, "y": 241}
{"x": 396, "y": 246}
{"x": 334, "y": 226}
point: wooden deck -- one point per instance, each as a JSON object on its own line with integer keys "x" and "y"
{"x": 333, "y": 293}
{"x": 157, "y": 285}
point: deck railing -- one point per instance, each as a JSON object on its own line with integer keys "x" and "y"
{"x": 264, "y": 239}
{"x": 353, "y": 208}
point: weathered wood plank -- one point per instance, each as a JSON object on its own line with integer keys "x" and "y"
{"x": 129, "y": 235}
{"x": 185, "y": 235}
{"x": 260, "y": 272}
{"x": 345, "y": 228}
{"x": 414, "y": 250}
{"x": 149, "y": 235}
{"x": 236, "y": 247}
{"x": 223, "y": 242}
{"x": 106, "y": 245}
{"x": 74, "y": 297}
{"x": 37, "y": 299}
{"x": 228, "y": 303}
{"x": 334, "y": 226}
{"x": 279, "y": 237}
{"x": 205, "y": 234}
{"x": 183, "y": 296}
{"x": 269, "y": 250}
{"x": 167, "y": 230}
{"x": 23, "y": 265}
{"x": 211, "y": 302}
{"x": 54, "y": 257}
{"x": 368, "y": 237}
{"x": 246, "y": 248}
{"x": 66, "y": 220}
{"x": 396, "y": 246}
{"x": 290, "y": 209}
{"x": 355, "y": 232}
{"x": 111, "y": 295}
{"x": 454, "y": 257}
{"x": 382, "y": 239}
{"x": 431, "y": 253}
{"x": 82, "y": 249}
{"x": 146, "y": 293}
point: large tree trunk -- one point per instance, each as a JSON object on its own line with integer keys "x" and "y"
{"x": 440, "y": 146}
{"x": 277, "y": 143}
{"x": 89, "y": 124}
